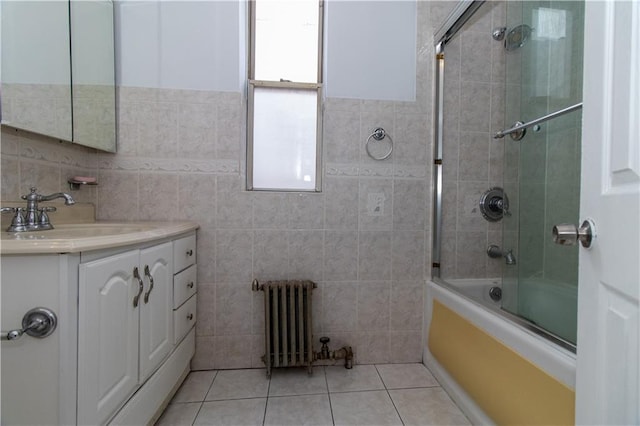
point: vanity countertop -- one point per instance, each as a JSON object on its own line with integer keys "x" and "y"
{"x": 74, "y": 238}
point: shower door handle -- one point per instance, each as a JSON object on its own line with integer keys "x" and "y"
{"x": 568, "y": 234}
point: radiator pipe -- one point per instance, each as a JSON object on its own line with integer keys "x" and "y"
{"x": 345, "y": 353}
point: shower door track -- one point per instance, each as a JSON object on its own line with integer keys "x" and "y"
{"x": 551, "y": 116}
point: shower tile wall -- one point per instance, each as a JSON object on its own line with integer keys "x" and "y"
{"x": 472, "y": 159}
{"x": 181, "y": 156}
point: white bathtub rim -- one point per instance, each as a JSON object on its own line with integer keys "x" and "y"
{"x": 472, "y": 281}
{"x": 477, "y": 290}
{"x": 553, "y": 359}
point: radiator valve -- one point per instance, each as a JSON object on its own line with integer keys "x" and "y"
{"x": 345, "y": 353}
{"x": 324, "y": 350}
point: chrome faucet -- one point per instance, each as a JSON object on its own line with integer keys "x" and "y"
{"x": 510, "y": 258}
{"x": 494, "y": 251}
{"x": 34, "y": 218}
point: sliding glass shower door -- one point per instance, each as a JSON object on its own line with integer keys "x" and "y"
{"x": 544, "y": 49}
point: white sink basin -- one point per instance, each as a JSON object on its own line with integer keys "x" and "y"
{"x": 74, "y": 238}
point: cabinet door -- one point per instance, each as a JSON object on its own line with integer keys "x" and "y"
{"x": 156, "y": 320}
{"x": 108, "y": 326}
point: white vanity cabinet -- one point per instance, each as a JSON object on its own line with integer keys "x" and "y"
{"x": 116, "y": 356}
{"x": 125, "y": 327}
{"x": 184, "y": 287}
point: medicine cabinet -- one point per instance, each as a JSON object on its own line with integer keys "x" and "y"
{"x": 58, "y": 71}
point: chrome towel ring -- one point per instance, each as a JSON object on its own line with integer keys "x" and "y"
{"x": 378, "y": 135}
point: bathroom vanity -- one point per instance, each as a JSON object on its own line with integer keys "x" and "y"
{"x": 124, "y": 297}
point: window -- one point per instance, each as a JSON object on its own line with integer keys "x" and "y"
{"x": 285, "y": 95}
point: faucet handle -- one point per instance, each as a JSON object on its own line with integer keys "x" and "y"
{"x": 18, "y": 219}
{"x": 8, "y": 210}
{"x": 43, "y": 221}
{"x": 18, "y": 223}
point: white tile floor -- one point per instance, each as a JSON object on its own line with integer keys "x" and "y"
{"x": 387, "y": 394}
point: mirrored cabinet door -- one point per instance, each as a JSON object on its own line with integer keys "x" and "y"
{"x": 58, "y": 71}
{"x": 93, "y": 74}
{"x": 36, "y": 67}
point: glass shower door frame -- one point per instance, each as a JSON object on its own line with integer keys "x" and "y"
{"x": 542, "y": 170}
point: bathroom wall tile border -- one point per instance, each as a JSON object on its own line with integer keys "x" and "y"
{"x": 108, "y": 162}
{"x": 27, "y": 146}
{"x": 355, "y": 170}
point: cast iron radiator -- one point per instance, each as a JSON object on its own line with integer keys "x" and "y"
{"x": 287, "y": 323}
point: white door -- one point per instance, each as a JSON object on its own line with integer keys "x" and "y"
{"x": 156, "y": 307}
{"x": 108, "y": 325}
{"x": 608, "y": 373}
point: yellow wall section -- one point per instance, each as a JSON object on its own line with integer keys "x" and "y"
{"x": 510, "y": 389}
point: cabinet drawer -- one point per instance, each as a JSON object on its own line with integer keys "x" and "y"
{"x": 184, "y": 285}
{"x": 184, "y": 253}
{"x": 184, "y": 318}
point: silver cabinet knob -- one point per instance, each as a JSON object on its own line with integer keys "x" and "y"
{"x": 568, "y": 234}
{"x": 136, "y": 298}
{"x": 147, "y": 273}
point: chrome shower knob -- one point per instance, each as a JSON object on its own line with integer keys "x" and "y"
{"x": 494, "y": 204}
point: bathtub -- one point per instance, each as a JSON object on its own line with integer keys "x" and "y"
{"x": 496, "y": 370}
{"x": 546, "y": 304}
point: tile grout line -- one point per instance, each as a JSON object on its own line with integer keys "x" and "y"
{"x": 243, "y": 398}
{"x": 380, "y": 389}
{"x": 204, "y": 398}
{"x": 326, "y": 381}
{"x": 215, "y": 376}
{"x": 197, "y": 414}
{"x": 388, "y": 394}
{"x": 266, "y": 402}
{"x": 358, "y": 391}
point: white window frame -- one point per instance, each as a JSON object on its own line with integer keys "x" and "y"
{"x": 286, "y": 85}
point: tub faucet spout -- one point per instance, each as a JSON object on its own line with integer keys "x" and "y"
{"x": 493, "y": 251}
{"x": 510, "y": 258}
